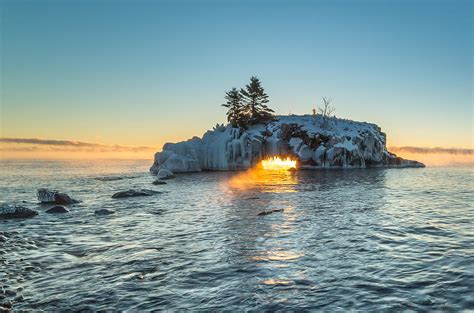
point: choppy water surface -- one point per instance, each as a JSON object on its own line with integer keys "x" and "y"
{"x": 364, "y": 239}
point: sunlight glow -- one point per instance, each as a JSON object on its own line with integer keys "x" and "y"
{"x": 273, "y": 174}
{"x": 277, "y": 163}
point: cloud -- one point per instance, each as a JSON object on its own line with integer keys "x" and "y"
{"x": 37, "y": 141}
{"x": 51, "y": 145}
{"x": 435, "y": 150}
{"x": 36, "y": 144}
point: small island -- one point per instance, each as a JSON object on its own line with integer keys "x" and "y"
{"x": 254, "y": 133}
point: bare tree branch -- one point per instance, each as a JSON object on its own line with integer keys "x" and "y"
{"x": 327, "y": 110}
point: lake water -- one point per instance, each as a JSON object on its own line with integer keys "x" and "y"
{"x": 375, "y": 239}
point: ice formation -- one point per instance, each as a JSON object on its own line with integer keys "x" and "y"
{"x": 312, "y": 140}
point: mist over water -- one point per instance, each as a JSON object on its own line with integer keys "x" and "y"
{"x": 365, "y": 239}
{"x": 440, "y": 159}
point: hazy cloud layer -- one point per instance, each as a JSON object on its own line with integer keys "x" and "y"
{"x": 36, "y": 144}
{"x": 436, "y": 150}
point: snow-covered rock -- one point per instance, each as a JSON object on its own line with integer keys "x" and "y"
{"x": 165, "y": 173}
{"x": 335, "y": 144}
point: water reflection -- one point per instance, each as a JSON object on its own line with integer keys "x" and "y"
{"x": 321, "y": 209}
{"x": 274, "y": 181}
{"x": 269, "y": 242}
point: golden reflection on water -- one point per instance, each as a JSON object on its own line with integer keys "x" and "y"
{"x": 277, "y": 252}
{"x": 273, "y": 281}
{"x": 278, "y": 256}
{"x": 275, "y": 181}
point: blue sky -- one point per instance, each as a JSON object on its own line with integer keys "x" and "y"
{"x": 147, "y": 72}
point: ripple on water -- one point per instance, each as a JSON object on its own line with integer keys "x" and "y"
{"x": 366, "y": 240}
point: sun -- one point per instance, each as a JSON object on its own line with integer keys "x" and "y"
{"x": 277, "y": 163}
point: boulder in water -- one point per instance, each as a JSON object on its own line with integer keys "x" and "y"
{"x": 57, "y": 209}
{"x": 159, "y": 182}
{"x": 54, "y": 196}
{"x": 103, "y": 212}
{"x": 10, "y": 210}
{"x": 270, "y": 212}
{"x": 6, "y": 306}
{"x": 135, "y": 193}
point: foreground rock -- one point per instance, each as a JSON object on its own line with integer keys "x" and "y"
{"x": 270, "y": 212}
{"x": 165, "y": 174}
{"x": 103, "y": 212}
{"x": 54, "y": 196}
{"x": 57, "y": 209}
{"x": 12, "y": 211}
{"x": 314, "y": 141}
{"x": 135, "y": 193}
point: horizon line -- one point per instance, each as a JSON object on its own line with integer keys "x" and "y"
{"x": 72, "y": 145}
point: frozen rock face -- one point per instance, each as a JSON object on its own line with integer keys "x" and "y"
{"x": 338, "y": 143}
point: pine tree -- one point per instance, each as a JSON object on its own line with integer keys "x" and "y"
{"x": 235, "y": 112}
{"x": 254, "y": 100}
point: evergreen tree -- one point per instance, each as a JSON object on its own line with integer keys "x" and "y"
{"x": 254, "y": 100}
{"x": 235, "y": 112}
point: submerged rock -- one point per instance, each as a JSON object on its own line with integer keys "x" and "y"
{"x": 135, "y": 193}
{"x": 314, "y": 141}
{"x": 159, "y": 182}
{"x": 54, "y": 196}
{"x": 115, "y": 177}
{"x": 165, "y": 174}
{"x": 103, "y": 212}
{"x": 11, "y": 211}
{"x": 270, "y": 212}
{"x": 57, "y": 209}
{"x": 7, "y": 305}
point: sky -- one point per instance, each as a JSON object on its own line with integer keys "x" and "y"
{"x": 142, "y": 73}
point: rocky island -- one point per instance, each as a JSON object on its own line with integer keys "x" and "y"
{"x": 313, "y": 142}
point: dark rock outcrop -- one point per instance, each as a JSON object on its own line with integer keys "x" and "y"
{"x": 134, "y": 193}
{"x": 270, "y": 212}
{"x": 12, "y": 211}
{"x": 103, "y": 212}
{"x": 57, "y": 209}
{"x": 54, "y": 196}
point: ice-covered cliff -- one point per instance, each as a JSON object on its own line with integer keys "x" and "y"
{"x": 312, "y": 140}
